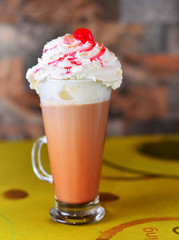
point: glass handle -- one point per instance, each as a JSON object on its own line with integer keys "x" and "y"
{"x": 36, "y": 160}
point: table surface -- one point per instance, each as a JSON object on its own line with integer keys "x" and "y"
{"x": 139, "y": 190}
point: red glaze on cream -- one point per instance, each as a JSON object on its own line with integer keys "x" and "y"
{"x": 99, "y": 54}
{"x": 56, "y": 61}
{"x": 70, "y": 54}
{"x": 73, "y": 56}
{"x": 38, "y": 69}
{"x": 76, "y": 63}
{"x": 68, "y": 69}
{"x": 89, "y": 48}
{"x": 45, "y": 50}
{"x": 80, "y": 50}
{"x": 84, "y": 35}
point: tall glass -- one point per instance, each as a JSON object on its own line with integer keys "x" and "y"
{"x": 75, "y": 115}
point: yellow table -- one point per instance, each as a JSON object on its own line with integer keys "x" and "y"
{"x": 139, "y": 190}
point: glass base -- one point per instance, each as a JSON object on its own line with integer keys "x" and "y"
{"x": 77, "y": 214}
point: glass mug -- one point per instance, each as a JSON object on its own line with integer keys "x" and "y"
{"x": 75, "y": 115}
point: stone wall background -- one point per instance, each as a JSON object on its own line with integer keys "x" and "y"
{"x": 144, "y": 34}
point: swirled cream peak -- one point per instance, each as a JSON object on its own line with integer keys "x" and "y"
{"x": 76, "y": 58}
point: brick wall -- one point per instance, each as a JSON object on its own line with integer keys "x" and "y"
{"x": 143, "y": 34}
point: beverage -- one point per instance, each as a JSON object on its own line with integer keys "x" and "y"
{"x": 75, "y": 136}
{"x": 74, "y": 78}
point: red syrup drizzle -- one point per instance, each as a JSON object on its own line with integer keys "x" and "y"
{"x": 38, "y": 69}
{"x": 45, "y": 50}
{"x": 56, "y": 61}
{"x": 76, "y": 63}
{"x": 84, "y": 35}
{"x": 72, "y": 54}
{"x": 68, "y": 69}
{"x": 99, "y": 54}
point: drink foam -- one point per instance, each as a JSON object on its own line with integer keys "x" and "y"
{"x": 68, "y": 92}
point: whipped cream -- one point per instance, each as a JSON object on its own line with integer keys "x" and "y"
{"x": 68, "y": 58}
